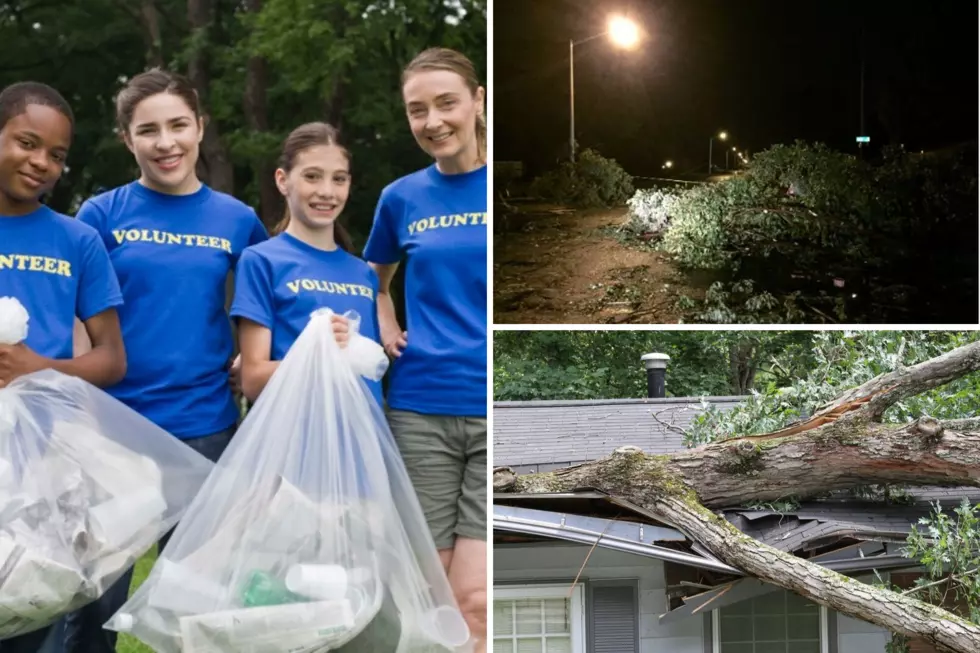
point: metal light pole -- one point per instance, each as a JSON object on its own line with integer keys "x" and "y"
{"x": 624, "y": 33}
{"x": 571, "y": 98}
{"x": 722, "y": 136}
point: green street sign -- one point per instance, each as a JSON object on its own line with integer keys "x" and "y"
{"x": 864, "y": 139}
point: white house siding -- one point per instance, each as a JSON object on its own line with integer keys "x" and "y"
{"x": 531, "y": 564}
{"x": 550, "y": 563}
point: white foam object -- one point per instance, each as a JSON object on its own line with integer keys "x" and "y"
{"x": 324, "y": 582}
{"x": 13, "y": 321}
{"x": 184, "y": 590}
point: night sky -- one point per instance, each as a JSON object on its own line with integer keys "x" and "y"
{"x": 767, "y": 71}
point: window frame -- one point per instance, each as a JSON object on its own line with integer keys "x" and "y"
{"x": 576, "y": 606}
{"x": 824, "y": 629}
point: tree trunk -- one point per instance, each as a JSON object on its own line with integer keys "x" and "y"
{"x": 214, "y": 166}
{"x": 151, "y": 32}
{"x": 842, "y": 446}
{"x": 256, "y": 116}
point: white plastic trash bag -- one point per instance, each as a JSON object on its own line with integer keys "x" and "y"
{"x": 87, "y": 486}
{"x": 308, "y": 536}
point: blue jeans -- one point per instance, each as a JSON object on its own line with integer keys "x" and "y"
{"x": 47, "y": 640}
{"x": 83, "y": 630}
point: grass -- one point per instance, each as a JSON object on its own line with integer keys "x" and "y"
{"x": 128, "y": 643}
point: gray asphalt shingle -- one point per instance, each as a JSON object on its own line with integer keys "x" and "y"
{"x": 543, "y": 435}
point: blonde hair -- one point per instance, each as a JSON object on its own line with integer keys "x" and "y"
{"x": 454, "y": 62}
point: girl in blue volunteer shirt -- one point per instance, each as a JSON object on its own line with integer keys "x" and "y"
{"x": 436, "y": 221}
{"x": 309, "y": 265}
{"x": 173, "y": 242}
{"x": 55, "y": 266}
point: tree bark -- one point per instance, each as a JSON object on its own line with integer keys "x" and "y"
{"x": 151, "y": 32}
{"x": 214, "y": 165}
{"x": 256, "y": 116}
{"x": 851, "y": 449}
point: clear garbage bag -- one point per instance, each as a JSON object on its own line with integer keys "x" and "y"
{"x": 87, "y": 486}
{"x": 307, "y": 536}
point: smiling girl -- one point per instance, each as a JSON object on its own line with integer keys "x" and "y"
{"x": 436, "y": 221}
{"x": 173, "y": 242}
{"x": 308, "y": 266}
{"x": 55, "y": 267}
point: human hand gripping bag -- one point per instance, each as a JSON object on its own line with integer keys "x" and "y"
{"x": 308, "y": 536}
{"x": 87, "y": 486}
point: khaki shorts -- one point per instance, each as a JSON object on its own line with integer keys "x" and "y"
{"x": 446, "y": 458}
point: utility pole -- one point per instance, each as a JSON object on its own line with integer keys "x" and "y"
{"x": 861, "y": 133}
{"x": 571, "y": 96}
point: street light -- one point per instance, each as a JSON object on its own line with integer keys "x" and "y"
{"x": 625, "y": 34}
{"x": 669, "y": 164}
{"x": 721, "y": 136}
{"x": 734, "y": 149}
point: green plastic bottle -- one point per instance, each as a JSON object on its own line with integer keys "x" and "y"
{"x": 262, "y": 588}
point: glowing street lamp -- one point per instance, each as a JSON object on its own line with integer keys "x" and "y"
{"x": 721, "y": 136}
{"x": 669, "y": 164}
{"x": 623, "y": 33}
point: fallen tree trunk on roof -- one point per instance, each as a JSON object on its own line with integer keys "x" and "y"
{"x": 842, "y": 446}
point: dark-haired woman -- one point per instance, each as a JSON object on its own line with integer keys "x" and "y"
{"x": 308, "y": 265}
{"x": 173, "y": 242}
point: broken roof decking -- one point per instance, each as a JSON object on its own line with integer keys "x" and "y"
{"x": 545, "y": 435}
{"x": 539, "y": 436}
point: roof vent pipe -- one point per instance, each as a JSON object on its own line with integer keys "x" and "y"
{"x": 656, "y": 365}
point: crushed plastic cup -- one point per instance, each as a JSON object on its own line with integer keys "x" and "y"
{"x": 184, "y": 590}
{"x": 324, "y": 582}
{"x": 445, "y": 625}
{"x": 116, "y": 521}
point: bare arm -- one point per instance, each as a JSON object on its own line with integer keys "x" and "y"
{"x": 392, "y": 336}
{"x": 102, "y": 365}
{"x": 255, "y": 342}
{"x": 82, "y": 344}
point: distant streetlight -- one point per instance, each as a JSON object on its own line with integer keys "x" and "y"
{"x": 721, "y": 136}
{"x": 669, "y": 164}
{"x": 625, "y": 34}
{"x": 734, "y": 149}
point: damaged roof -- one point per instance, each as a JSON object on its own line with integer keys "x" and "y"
{"x": 539, "y": 436}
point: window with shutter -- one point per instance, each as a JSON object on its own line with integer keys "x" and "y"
{"x": 614, "y": 622}
{"x": 538, "y": 619}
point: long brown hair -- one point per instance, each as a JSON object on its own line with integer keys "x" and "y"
{"x": 312, "y": 134}
{"x": 454, "y": 62}
{"x": 151, "y": 83}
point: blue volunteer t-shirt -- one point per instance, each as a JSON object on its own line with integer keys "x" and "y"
{"x": 280, "y": 282}
{"x": 438, "y": 223}
{"x": 58, "y": 269}
{"x": 172, "y": 254}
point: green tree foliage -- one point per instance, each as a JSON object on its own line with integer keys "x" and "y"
{"x": 843, "y": 360}
{"x": 948, "y": 547}
{"x": 334, "y": 60}
{"x": 592, "y": 181}
{"x": 606, "y": 364}
{"x": 803, "y": 218}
